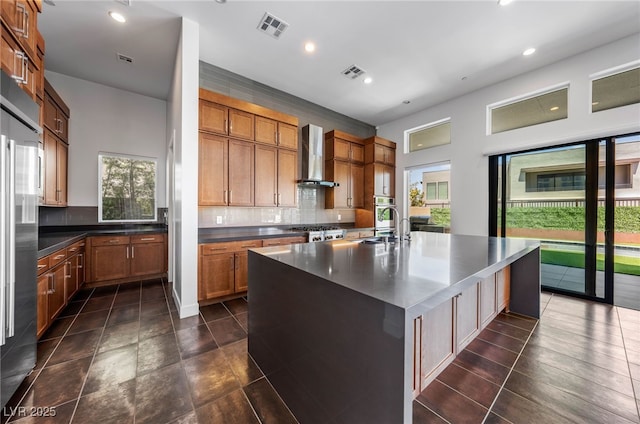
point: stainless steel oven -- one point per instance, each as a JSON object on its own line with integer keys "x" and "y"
{"x": 385, "y": 219}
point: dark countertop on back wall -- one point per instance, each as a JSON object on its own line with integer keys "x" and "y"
{"x": 220, "y": 234}
{"x": 51, "y": 239}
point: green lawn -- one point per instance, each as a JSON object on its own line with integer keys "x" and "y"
{"x": 574, "y": 259}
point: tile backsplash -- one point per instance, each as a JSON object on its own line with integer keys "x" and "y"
{"x": 310, "y": 210}
{"x": 79, "y": 215}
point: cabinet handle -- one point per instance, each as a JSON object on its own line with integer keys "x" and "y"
{"x": 217, "y": 249}
{"x": 73, "y": 249}
{"x": 276, "y": 134}
{"x": 26, "y": 23}
{"x": 53, "y": 283}
{"x": 147, "y": 239}
{"x": 20, "y": 79}
{"x": 80, "y": 261}
{"x": 231, "y": 263}
{"x": 133, "y": 252}
{"x": 23, "y": 10}
{"x": 65, "y": 266}
{"x": 41, "y": 266}
{"x": 247, "y": 246}
{"x": 52, "y": 288}
{"x": 225, "y": 196}
{"x": 114, "y": 241}
{"x": 230, "y": 196}
{"x": 25, "y": 69}
{"x": 226, "y": 126}
{"x": 127, "y": 252}
{"x": 230, "y": 125}
{"x": 279, "y": 199}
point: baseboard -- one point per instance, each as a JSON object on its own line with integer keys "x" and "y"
{"x": 184, "y": 310}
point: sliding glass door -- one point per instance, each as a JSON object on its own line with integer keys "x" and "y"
{"x": 582, "y": 201}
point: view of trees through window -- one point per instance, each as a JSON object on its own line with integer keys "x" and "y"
{"x": 127, "y": 188}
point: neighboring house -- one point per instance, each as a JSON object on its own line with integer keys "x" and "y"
{"x": 559, "y": 174}
{"x": 436, "y": 188}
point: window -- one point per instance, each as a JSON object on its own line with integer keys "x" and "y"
{"x": 443, "y": 190}
{"x": 431, "y": 191}
{"x": 622, "y": 173}
{"x": 127, "y": 188}
{"x": 616, "y": 90}
{"x": 546, "y": 107}
{"x": 430, "y": 135}
{"x": 565, "y": 181}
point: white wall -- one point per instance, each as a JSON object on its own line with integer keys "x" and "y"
{"x": 470, "y": 144}
{"x": 110, "y": 120}
{"x": 182, "y": 120}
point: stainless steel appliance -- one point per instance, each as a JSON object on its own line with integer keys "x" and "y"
{"x": 18, "y": 234}
{"x": 317, "y": 233}
{"x": 385, "y": 219}
{"x": 312, "y": 160}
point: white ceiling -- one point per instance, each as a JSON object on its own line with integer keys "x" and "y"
{"x": 422, "y": 51}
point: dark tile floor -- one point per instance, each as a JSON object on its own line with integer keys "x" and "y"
{"x": 122, "y": 355}
{"x": 579, "y": 364}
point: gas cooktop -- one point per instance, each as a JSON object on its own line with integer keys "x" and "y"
{"x": 310, "y": 228}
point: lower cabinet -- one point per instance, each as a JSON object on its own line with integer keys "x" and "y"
{"x": 223, "y": 267}
{"x": 453, "y": 324}
{"x": 122, "y": 258}
{"x": 60, "y": 276}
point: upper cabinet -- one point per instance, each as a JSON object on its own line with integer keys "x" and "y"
{"x": 20, "y": 43}
{"x": 344, "y": 164}
{"x": 248, "y": 154}
{"x": 380, "y": 169}
{"x": 56, "y": 147}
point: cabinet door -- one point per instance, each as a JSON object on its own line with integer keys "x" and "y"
{"x": 25, "y": 25}
{"x": 57, "y": 299}
{"x": 212, "y": 117}
{"x": 340, "y": 172}
{"x": 488, "y": 306}
{"x": 357, "y": 186}
{"x": 212, "y": 170}
{"x": 10, "y": 63}
{"x": 467, "y": 322}
{"x": 241, "y": 167}
{"x": 71, "y": 279}
{"x": 438, "y": 348}
{"x": 266, "y": 131}
{"x": 81, "y": 268}
{"x": 50, "y": 168}
{"x": 109, "y": 262}
{"x": 42, "y": 303}
{"x": 357, "y": 153}
{"x": 8, "y": 12}
{"x": 287, "y": 136}
{"x": 50, "y": 114}
{"x": 503, "y": 287}
{"x": 62, "y": 156}
{"x": 287, "y": 175}
{"x": 241, "y": 124}
{"x": 341, "y": 149}
{"x": 241, "y": 277}
{"x": 63, "y": 126}
{"x": 266, "y": 168}
{"x": 384, "y": 180}
{"x": 216, "y": 275}
{"x": 147, "y": 259}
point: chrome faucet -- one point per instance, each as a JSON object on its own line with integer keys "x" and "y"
{"x": 398, "y": 230}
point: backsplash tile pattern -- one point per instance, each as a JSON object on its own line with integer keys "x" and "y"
{"x": 79, "y": 215}
{"x": 310, "y": 210}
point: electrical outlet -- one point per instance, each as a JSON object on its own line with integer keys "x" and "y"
{"x": 339, "y": 217}
{"x": 218, "y": 220}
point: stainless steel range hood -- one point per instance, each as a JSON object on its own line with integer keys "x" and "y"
{"x": 313, "y": 158}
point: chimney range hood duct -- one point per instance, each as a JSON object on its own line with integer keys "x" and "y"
{"x": 313, "y": 158}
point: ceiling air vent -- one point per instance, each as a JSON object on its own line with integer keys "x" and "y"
{"x": 125, "y": 2}
{"x": 124, "y": 59}
{"x": 353, "y": 72}
{"x": 272, "y": 25}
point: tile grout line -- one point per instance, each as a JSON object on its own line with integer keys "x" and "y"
{"x": 490, "y": 409}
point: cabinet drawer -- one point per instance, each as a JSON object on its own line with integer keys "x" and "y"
{"x": 76, "y": 248}
{"x": 147, "y": 238}
{"x": 281, "y": 241}
{"x": 109, "y": 241}
{"x": 43, "y": 264}
{"x": 231, "y": 246}
{"x": 56, "y": 258}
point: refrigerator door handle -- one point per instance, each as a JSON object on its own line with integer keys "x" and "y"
{"x": 11, "y": 282}
{"x": 3, "y": 236}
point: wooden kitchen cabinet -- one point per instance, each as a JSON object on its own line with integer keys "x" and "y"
{"x": 283, "y": 241}
{"x": 272, "y": 132}
{"x": 225, "y": 171}
{"x": 148, "y": 255}
{"x": 56, "y": 113}
{"x": 275, "y": 178}
{"x": 220, "y": 119}
{"x": 56, "y": 148}
{"x": 383, "y": 180}
{"x": 222, "y": 268}
{"x": 42, "y": 304}
{"x": 467, "y": 316}
{"x": 344, "y": 165}
{"x": 126, "y": 258}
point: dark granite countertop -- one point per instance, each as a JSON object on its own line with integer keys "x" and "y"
{"x": 53, "y": 239}
{"x": 432, "y": 266}
{"x": 213, "y": 235}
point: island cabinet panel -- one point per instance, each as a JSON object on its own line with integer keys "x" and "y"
{"x": 503, "y": 287}
{"x": 241, "y": 271}
{"x": 467, "y": 321}
{"x": 437, "y": 343}
{"x": 488, "y": 300}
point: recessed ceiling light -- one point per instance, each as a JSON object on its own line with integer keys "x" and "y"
{"x": 554, "y": 108}
{"x": 504, "y": 2}
{"x": 529, "y": 51}
{"x": 309, "y": 47}
{"x": 221, "y": 1}
{"x": 117, "y": 17}
{"x": 367, "y": 80}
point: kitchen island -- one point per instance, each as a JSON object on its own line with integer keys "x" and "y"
{"x": 351, "y": 332}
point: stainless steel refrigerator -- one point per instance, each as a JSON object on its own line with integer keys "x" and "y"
{"x": 19, "y": 184}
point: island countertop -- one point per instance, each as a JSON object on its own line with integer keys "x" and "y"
{"x": 430, "y": 266}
